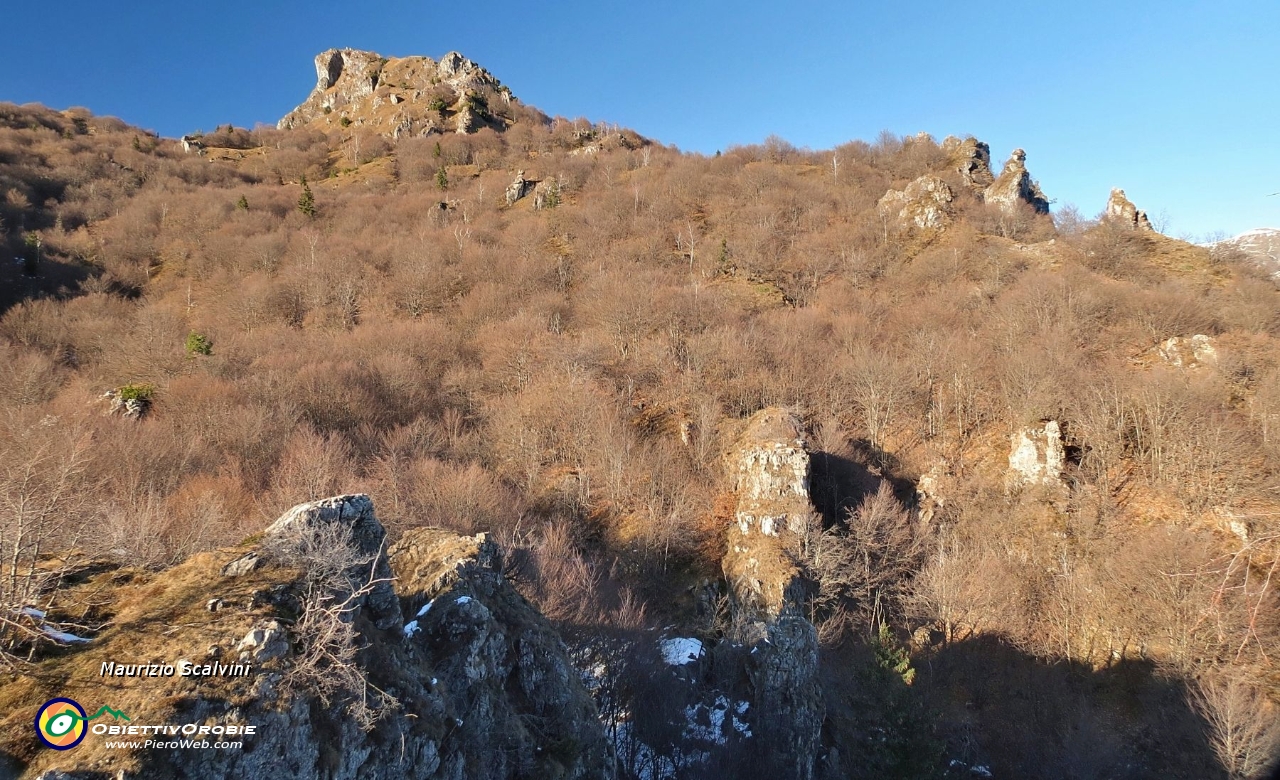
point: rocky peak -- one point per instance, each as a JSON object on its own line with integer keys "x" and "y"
{"x": 770, "y": 469}
{"x": 397, "y": 96}
{"x": 972, "y": 159}
{"x": 355, "y": 514}
{"x": 1121, "y": 211}
{"x": 1015, "y": 185}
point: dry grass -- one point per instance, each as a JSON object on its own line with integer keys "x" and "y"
{"x": 149, "y": 619}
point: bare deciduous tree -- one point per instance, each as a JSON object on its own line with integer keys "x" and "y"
{"x": 1242, "y": 722}
{"x": 336, "y": 579}
{"x": 866, "y": 568}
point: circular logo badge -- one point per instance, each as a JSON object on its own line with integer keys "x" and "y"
{"x": 60, "y": 724}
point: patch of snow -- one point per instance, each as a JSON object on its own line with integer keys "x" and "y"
{"x": 713, "y": 729}
{"x": 980, "y": 771}
{"x": 412, "y": 627}
{"x": 710, "y": 727}
{"x": 425, "y": 608}
{"x": 594, "y": 676}
{"x": 463, "y": 600}
{"x": 679, "y": 651}
{"x": 62, "y": 636}
{"x": 33, "y": 612}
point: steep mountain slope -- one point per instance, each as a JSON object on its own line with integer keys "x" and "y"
{"x": 837, "y": 463}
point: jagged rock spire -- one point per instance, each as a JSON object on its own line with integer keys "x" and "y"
{"x": 1015, "y": 185}
{"x": 1121, "y": 211}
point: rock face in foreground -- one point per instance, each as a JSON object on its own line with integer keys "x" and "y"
{"x": 401, "y": 96}
{"x": 769, "y": 467}
{"x": 475, "y": 684}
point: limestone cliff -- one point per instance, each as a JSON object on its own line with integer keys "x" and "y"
{"x": 1037, "y": 456}
{"x": 475, "y": 683}
{"x": 972, "y": 159}
{"x": 924, "y": 204}
{"x": 402, "y": 96}
{"x": 769, "y": 467}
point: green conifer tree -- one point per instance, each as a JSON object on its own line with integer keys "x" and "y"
{"x": 307, "y": 203}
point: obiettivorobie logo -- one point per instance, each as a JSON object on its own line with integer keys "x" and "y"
{"x": 62, "y": 723}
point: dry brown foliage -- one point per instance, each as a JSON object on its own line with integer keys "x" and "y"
{"x": 561, "y": 376}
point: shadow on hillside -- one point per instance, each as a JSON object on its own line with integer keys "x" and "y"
{"x": 54, "y": 278}
{"x": 1025, "y": 718}
{"x": 839, "y": 482}
{"x": 837, "y": 485}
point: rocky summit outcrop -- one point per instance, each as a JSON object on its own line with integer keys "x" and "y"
{"x": 972, "y": 159}
{"x": 1037, "y": 456}
{"x": 924, "y": 203}
{"x": 347, "y": 661}
{"x": 769, "y": 468}
{"x": 1015, "y": 186}
{"x": 402, "y": 96}
{"x": 1121, "y": 211}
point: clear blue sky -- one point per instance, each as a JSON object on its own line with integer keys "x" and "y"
{"x": 1176, "y": 102}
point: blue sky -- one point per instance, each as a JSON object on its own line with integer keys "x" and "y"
{"x": 1178, "y": 103}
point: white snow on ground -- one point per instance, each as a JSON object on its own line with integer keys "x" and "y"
{"x": 976, "y": 770}
{"x": 741, "y": 725}
{"x": 463, "y": 599}
{"x": 33, "y": 612}
{"x": 679, "y": 651}
{"x": 710, "y": 727}
{"x": 594, "y": 676}
{"x": 425, "y": 608}
{"x": 412, "y": 626}
{"x": 62, "y": 636}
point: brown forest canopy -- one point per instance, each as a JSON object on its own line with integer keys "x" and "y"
{"x": 568, "y": 377}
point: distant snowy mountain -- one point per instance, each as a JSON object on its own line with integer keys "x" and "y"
{"x": 1262, "y": 245}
